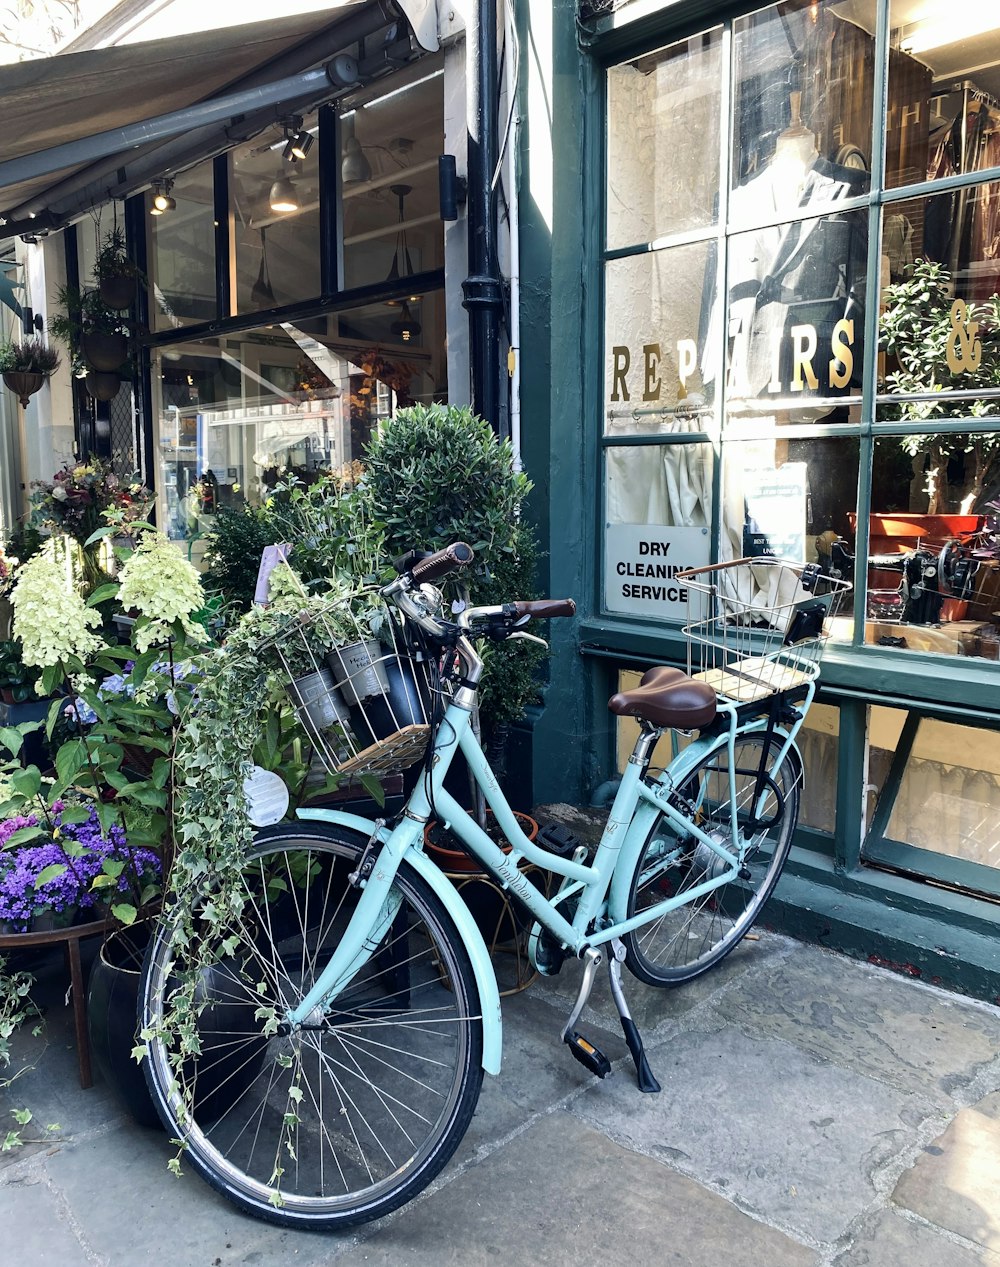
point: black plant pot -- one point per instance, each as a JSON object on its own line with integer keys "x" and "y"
{"x": 23, "y": 384}
{"x": 102, "y": 385}
{"x": 117, "y": 290}
{"x": 403, "y": 702}
{"x": 113, "y": 1019}
{"x": 104, "y": 351}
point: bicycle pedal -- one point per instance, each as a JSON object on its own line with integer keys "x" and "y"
{"x": 588, "y": 1055}
{"x": 558, "y": 839}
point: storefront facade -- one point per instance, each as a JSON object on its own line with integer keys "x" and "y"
{"x": 775, "y": 228}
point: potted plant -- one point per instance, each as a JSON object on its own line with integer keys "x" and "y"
{"x": 115, "y": 273}
{"x": 87, "y": 324}
{"x": 26, "y": 366}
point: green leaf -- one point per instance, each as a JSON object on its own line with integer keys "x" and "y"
{"x": 21, "y": 1116}
{"x": 103, "y": 593}
{"x": 28, "y": 782}
{"x": 73, "y": 814}
{"x": 124, "y": 912}
{"x": 53, "y": 715}
{"x": 99, "y": 534}
{"x": 70, "y": 759}
{"x": 52, "y": 676}
{"x": 12, "y": 739}
{"x": 23, "y": 835}
{"x": 374, "y": 788}
{"x": 49, "y": 874}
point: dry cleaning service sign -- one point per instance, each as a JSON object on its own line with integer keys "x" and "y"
{"x": 641, "y": 562}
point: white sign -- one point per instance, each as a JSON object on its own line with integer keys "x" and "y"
{"x": 267, "y": 797}
{"x": 641, "y": 562}
{"x": 776, "y": 512}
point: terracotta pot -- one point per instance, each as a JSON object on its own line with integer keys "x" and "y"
{"x": 102, "y": 385}
{"x": 449, "y": 859}
{"x": 23, "y": 384}
{"x": 104, "y": 351}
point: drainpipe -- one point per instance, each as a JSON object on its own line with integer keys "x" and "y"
{"x": 482, "y": 288}
{"x": 514, "y": 369}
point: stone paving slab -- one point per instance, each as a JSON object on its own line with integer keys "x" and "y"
{"x": 561, "y": 1193}
{"x": 869, "y": 1020}
{"x": 795, "y": 1139}
{"x": 889, "y": 1239}
{"x": 36, "y": 1227}
{"x": 955, "y": 1182}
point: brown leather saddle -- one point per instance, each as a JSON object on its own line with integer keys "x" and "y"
{"x": 667, "y": 697}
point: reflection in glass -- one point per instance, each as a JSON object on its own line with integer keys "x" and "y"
{"x": 796, "y": 312}
{"x": 944, "y": 81}
{"x": 803, "y": 100}
{"x": 275, "y": 201}
{"x": 664, "y": 114}
{"x": 655, "y": 307}
{"x": 817, "y": 741}
{"x": 236, "y": 411}
{"x": 948, "y": 796}
{"x": 182, "y": 253}
{"x": 389, "y": 183}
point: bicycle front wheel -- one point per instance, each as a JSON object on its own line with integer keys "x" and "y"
{"x": 350, "y": 1115}
{"x": 685, "y": 942}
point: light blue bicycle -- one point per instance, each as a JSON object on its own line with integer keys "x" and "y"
{"x": 351, "y": 1009}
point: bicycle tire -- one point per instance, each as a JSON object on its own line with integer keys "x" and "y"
{"x": 691, "y": 939}
{"x": 389, "y": 1080}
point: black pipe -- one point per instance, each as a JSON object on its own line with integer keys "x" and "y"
{"x": 482, "y": 288}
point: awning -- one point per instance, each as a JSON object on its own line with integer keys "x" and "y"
{"x": 226, "y": 84}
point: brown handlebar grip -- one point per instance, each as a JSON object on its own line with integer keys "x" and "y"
{"x": 543, "y": 608}
{"x": 457, "y": 555}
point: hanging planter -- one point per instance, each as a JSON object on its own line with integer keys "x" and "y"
{"x": 115, "y": 274}
{"x": 102, "y": 385}
{"x": 117, "y": 290}
{"x": 26, "y": 366}
{"x": 104, "y": 351}
{"x": 22, "y": 384}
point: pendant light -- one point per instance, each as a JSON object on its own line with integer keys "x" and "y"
{"x": 355, "y": 168}
{"x": 402, "y": 264}
{"x": 406, "y": 327}
{"x": 262, "y": 295}
{"x": 283, "y": 196}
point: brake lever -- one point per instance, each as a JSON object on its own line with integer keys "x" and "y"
{"x": 526, "y": 637}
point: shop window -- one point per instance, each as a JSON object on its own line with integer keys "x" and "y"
{"x": 664, "y": 115}
{"x": 389, "y": 188}
{"x": 934, "y": 795}
{"x": 818, "y": 741}
{"x": 237, "y": 412}
{"x": 275, "y": 217}
{"x": 182, "y": 253}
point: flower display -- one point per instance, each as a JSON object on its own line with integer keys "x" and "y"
{"x": 159, "y": 583}
{"x": 8, "y": 566}
{"x": 50, "y": 618}
{"x": 57, "y": 872}
{"x": 82, "y": 498}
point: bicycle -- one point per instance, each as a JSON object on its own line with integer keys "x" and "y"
{"x": 351, "y": 1011}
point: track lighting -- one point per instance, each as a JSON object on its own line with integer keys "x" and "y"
{"x": 298, "y": 142}
{"x": 162, "y": 200}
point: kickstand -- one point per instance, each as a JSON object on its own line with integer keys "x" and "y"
{"x": 644, "y": 1074}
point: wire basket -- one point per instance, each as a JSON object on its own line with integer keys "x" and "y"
{"x": 360, "y": 692}
{"x": 757, "y": 627}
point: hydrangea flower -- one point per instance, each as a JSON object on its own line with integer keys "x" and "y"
{"x": 50, "y": 618}
{"x": 159, "y": 583}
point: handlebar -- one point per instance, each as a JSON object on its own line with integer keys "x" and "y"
{"x": 546, "y": 608}
{"x": 457, "y": 555}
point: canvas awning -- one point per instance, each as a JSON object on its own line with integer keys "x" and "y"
{"x": 82, "y": 128}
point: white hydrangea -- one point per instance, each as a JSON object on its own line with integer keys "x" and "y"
{"x": 50, "y": 618}
{"x": 159, "y": 583}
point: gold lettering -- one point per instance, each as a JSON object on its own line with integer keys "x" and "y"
{"x": 774, "y": 386}
{"x": 687, "y": 359}
{"x": 842, "y": 365}
{"x": 911, "y": 114}
{"x": 803, "y": 350}
{"x": 622, "y": 360}
{"x": 963, "y": 351}
{"x": 651, "y": 357}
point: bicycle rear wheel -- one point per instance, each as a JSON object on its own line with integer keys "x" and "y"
{"x": 690, "y": 939}
{"x": 350, "y": 1116}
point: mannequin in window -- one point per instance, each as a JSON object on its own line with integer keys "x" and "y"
{"x": 795, "y": 153}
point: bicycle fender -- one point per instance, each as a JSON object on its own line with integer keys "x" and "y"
{"x": 486, "y": 980}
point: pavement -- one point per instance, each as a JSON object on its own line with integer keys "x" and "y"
{"x": 816, "y": 1112}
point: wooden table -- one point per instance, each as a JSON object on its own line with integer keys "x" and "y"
{"x": 70, "y": 939}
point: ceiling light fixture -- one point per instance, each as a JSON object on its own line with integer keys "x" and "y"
{"x": 283, "y": 196}
{"x": 162, "y": 200}
{"x": 406, "y": 327}
{"x": 355, "y": 167}
{"x": 298, "y": 142}
{"x": 402, "y": 265}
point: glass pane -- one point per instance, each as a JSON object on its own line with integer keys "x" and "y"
{"x": 182, "y": 253}
{"x": 939, "y": 325}
{"x": 934, "y": 544}
{"x": 275, "y": 205}
{"x": 391, "y": 210}
{"x": 655, "y": 308}
{"x": 796, "y": 320}
{"x": 794, "y": 499}
{"x": 664, "y": 111}
{"x": 659, "y": 515}
{"x": 944, "y": 79}
{"x": 235, "y": 411}
{"x": 817, "y": 741}
{"x": 802, "y": 103}
{"x": 948, "y": 800}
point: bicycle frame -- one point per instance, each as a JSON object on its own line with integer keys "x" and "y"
{"x": 603, "y": 885}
